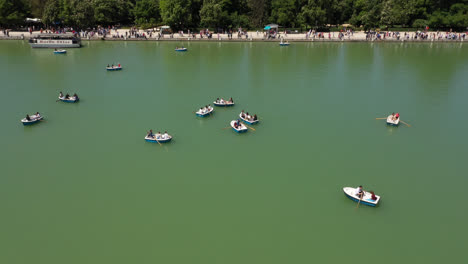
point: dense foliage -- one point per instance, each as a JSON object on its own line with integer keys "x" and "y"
{"x": 224, "y": 14}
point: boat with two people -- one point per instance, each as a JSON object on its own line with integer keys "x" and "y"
{"x": 158, "y": 137}
{"x": 180, "y": 49}
{"x": 68, "y": 99}
{"x": 222, "y": 102}
{"x": 205, "y": 111}
{"x": 284, "y": 43}
{"x": 60, "y": 51}
{"x": 361, "y": 196}
{"x": 247, "y": 118}
{"x": 238, "y": 126}
{"x": 393, "y": 119}
{"x": 113, "y": 67}
{"x": 31, "y": 119}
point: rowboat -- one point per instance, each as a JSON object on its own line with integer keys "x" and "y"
{"x": 392, "y": 122}
{"x": 70, "y": 99}
{"x": 160, "y": 139}
{"x": 240, "y": 129}
{"x": 60, "y": 51}
{"x": 33, "y": 119}
{"x": 223, "y": 103}
{"x": 207, "y": 112}
{"x": 250, "y": 122}
{"x": 114, "y": 68}
{"x": 284, "y": 44}
{"x": 351, "y": 192}
{"x": 181, "y": 49}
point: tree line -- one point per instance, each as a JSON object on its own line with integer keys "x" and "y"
{"x": 225, "y": 14}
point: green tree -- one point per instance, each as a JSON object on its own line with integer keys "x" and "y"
{"x": 83, "y": 15}
{"x": 13, "y": 12}
{"x": 214, "y": 14}
{"x": 147, "y": 11}
{"x": 52, "y": 12}
{"x": 312, "y": 14}
{"x": 176, "y": 13}
{"x": 283, "y": 12}
{"x": 110, "y": 12}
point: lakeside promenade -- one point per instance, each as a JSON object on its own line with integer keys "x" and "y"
{"x": 151, "y": 35}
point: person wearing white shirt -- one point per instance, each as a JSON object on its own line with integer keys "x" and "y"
{"x": 165, "y": 135}
{"x": 359, "y": 192}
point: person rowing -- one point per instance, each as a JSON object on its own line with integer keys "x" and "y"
{"x": 222, "y": 101}
{"x": 217, "y": 100}
{"x": 150, "y": 133}
{"x": 242, "y": 114}
{"x": 61, "y": 95}
{"x": 67, "y": 96}
{"x": 28, "y": 118}
{"x": 397, "y": 116}
{"x": 359, "y": 192}
{"x": 158, "y": 135}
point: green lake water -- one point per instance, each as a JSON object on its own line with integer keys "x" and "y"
{"x": 84, "y": 187}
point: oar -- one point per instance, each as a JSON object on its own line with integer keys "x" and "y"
{"x": 405, "y": 123}
{"x": 360, "y": 199}
{"x": 250, "y": 127}
{"x": 381, "y": 118}
{"x": 226, "y": 127}
{"x": 157, "y": 141}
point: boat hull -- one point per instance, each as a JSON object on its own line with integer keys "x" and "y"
{"x": 392, "y": 122}
{"x": 154, "y": 140}
{"x": 60, "y": 52}
{"x": 223, "y": 105}
{"x": 68, "y": 100}
{"x": 59, "y": 45}
{"x": 114, "y": 69}
{"x": 181, "y": 50}
{"x": 247, "y": 121}
{"x": 284, "y": 44}
{"x": 32, "y": 122}
{"x": 241, "y": 129}
{"x": 350, "y": 193}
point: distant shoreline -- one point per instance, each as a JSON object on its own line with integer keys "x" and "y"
{"x": 259, "y": 37}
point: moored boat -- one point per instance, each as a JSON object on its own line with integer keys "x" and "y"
{"x": 32, "y": 119}
{"x": 204, "y": 111}
{"x": 114, "y": 68}
{"x": 351, "y": 193}
{"x": 161, "y": 138}
{"x": 238, "y": 126}
{"x": 248, "y": 118}
{"x": 391, "y": 120}
{"x": 67, "y": 40}
{"x": 223, "y": 102}
{"x": 181, "y": 49}
{"x": 60, "y": 51}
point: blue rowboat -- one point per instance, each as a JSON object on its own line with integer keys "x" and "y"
{"x": 181, "y": 49}
{"x": 240, "y": 129}
{"x": 250, "y": 122}
{"x": 284, "y": 44}
{"x": 159, "y": 139}
{"x": 60, "y": 51}
{"x": 114, "y": 68}
{"x": 351, "y": 192}
{"x": 392, "y": 122}
{"x": 71, "y": 99}
{"x": 206, "y": 113}
{"x": 33, "y": 120}
{"x": 223, "y": 103}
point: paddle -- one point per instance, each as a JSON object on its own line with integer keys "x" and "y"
{"x": 226, "y": 127}
{"x": 360, "y": 198}
{"x": 405, "y": 123}
{"x": 381, "y": 118}
{"x": 250, "y": 127}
